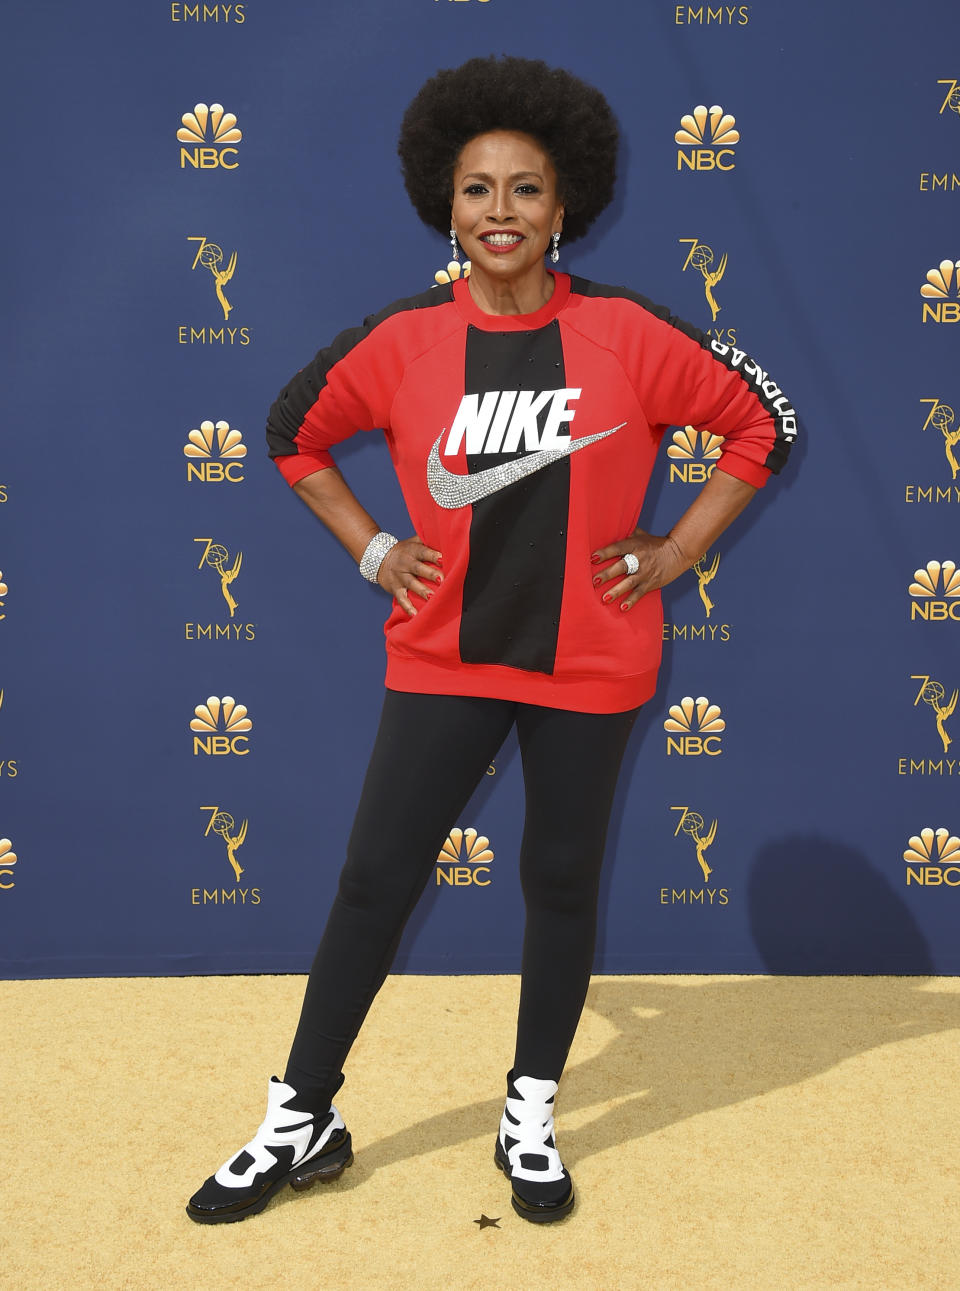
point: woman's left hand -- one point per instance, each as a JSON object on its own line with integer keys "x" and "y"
{"x": 660, "y": 559}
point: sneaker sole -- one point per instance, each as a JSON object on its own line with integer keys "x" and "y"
{"x": 300, "y": 1179}
{"x": 535, "y": 1214}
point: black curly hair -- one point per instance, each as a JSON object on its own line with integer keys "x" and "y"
{"x": 570, "y": 120}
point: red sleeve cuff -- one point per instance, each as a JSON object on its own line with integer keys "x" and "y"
{"x": 742, "y": 468}
{"x": 299, "y": 465}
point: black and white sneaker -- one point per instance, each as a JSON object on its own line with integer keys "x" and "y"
{"x": 527, "y": 1153}
{"x": 289, "y": 1147}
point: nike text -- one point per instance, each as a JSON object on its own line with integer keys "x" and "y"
{"x": 502, "y": 421}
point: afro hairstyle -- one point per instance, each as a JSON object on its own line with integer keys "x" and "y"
{"x": 570, "y": 120}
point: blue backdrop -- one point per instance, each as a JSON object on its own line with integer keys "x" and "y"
{"x": 167, "y": 274}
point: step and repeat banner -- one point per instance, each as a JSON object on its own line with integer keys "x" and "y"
{"x": 191, "y": 669}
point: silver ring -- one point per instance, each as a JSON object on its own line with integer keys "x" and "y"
{"x": 631, "y": 562}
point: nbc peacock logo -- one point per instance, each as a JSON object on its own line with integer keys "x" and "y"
{"x": 694, "y": 727}
{"x": 942, "y": 288}
{"x": 8, "y": 859}
{"x": 933, "y": 859}
{"x": 707, "y": 137}
{"x": 693, "y": 455}
{"x": 935, "y": 592}
{"x": 453, "y": 271}
{"x": 221, "y": 726}
{"x": 464, "y": 860}
{"x": 214, "y": 453}
{"x": 212, "y": 132}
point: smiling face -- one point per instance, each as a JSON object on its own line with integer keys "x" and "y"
{"x": 506, "y": 207}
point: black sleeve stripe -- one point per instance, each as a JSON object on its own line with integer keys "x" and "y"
{"x": 771, "y": 398}
{"x": 298, "y": 396}
{"x": 774, "y": 402}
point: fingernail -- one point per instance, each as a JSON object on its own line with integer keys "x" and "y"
{"x": 624, "y": 607}
{"x": 597, "y": 581}
{"x": 439, "y": 560}
{"x": 594, "y": 559}
{"x": 608, "y": 597}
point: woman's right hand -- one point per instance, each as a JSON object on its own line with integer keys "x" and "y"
{"x": 407, "y": 568}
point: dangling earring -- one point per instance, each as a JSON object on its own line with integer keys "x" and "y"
{"x": 454, "y": 244}
{"x": 555, "y": 254}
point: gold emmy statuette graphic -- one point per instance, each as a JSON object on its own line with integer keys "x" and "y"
{"x": 701, "y": 257}
{"x": 216, "y": 556}
{"x": 210, "y": 255}
{"x": 932, "y": 693}
{"x": 941, "y": 417}
{"x": 3, "y": 591}
{"x": 222, "y": 823}
{"x": 692, "y": 823}
{"x": 453, "y": 271}
{"x": 952, "y": 99}
{"x": 706, "y": 574}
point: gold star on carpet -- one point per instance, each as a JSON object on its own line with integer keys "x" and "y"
{"x": 484, "y": 1222}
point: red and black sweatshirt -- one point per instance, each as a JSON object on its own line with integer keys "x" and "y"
{"x": 523, "y": 443}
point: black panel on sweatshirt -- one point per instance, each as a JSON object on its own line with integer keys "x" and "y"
{"x": 513, "y": 588}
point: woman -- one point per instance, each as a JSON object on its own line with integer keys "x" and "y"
{"x": 523, "y": 409}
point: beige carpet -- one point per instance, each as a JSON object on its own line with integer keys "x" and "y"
{"x": 723, "y": 1132}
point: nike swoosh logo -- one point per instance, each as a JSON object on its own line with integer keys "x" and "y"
{"x": 451, "y": 491}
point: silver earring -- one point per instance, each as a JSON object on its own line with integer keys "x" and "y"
{"x": 453, "y": 243}
{"x": 555, "y": 254}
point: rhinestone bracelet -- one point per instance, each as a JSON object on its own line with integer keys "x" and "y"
{"x": 372, "y": 558}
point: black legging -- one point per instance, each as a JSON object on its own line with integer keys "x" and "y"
{"x": 430, "y": 754}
